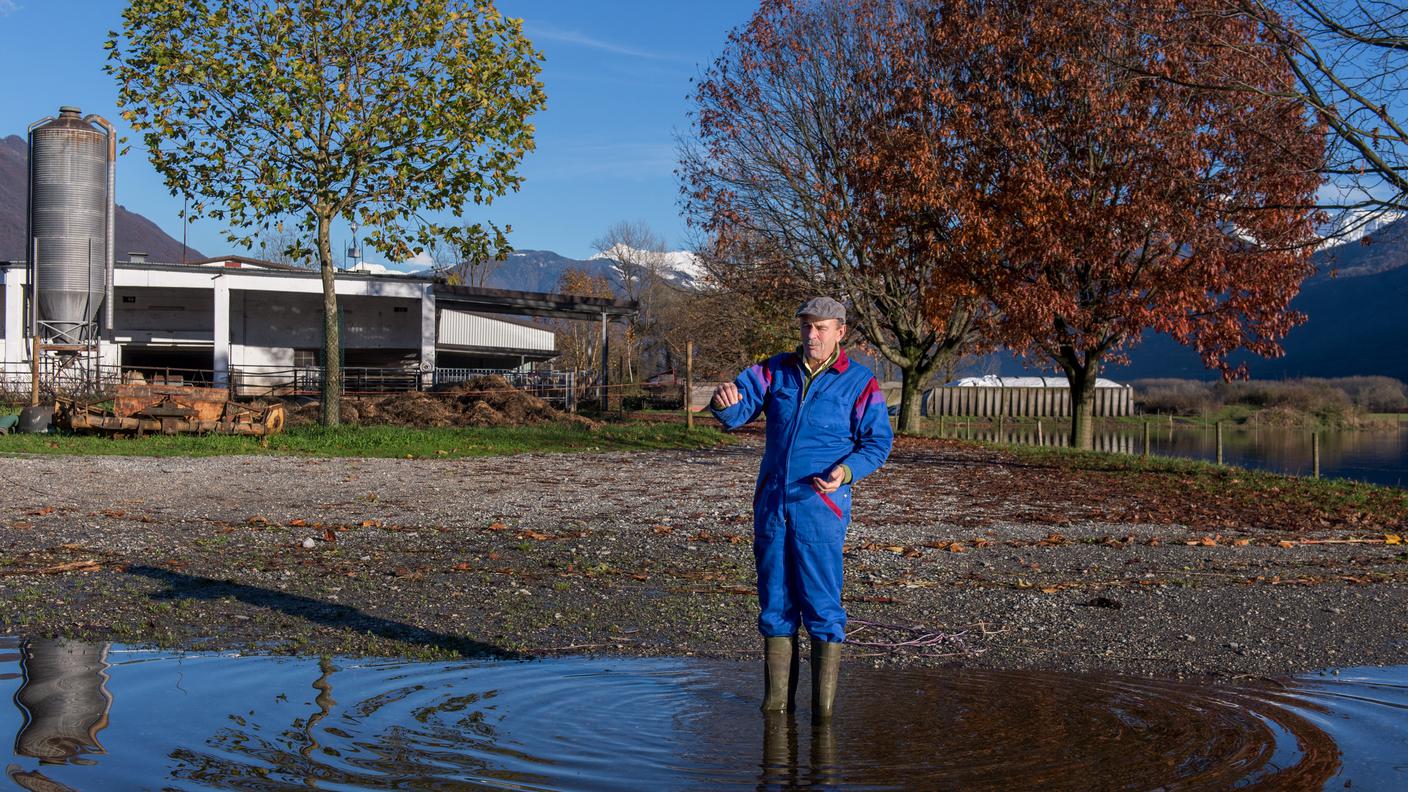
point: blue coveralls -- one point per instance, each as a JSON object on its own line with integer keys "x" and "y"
{"x": 797, "y": 531}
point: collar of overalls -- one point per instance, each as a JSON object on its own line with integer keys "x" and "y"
{"x": 839, "y": 365}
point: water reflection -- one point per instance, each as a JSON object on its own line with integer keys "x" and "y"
{"x": 64, "y": 703}
{"x": 1378, "y": 456}
{"x": 212, "y": 722}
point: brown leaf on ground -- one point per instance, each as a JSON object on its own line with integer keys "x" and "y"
{"x": 85, "y": 565}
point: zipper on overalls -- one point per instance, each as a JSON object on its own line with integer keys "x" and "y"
{"x": 796, "y": 423}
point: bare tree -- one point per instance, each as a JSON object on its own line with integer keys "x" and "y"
{"x": 281, "y": 245}
{"x": 641, "y": 260}
{"x": 463, "y": 266}
{"x": 1350, "y": 60}
{"x": 774, "y": 176}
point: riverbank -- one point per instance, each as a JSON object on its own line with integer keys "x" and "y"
{"x": 959, "y": 554}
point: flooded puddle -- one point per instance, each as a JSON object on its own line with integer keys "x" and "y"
{"x": 97, "y": 716}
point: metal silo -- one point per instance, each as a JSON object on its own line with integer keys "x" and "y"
{"x": 71, "y": 169}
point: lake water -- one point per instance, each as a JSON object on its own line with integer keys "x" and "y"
{"x": 1378, "y": 456}
{"x": 97, "y": 716}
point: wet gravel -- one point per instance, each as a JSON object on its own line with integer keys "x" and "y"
{"x": 958, "y": 556}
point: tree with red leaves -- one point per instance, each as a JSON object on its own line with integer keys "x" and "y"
{"x": 1103, "y": 188}
{"x": 776, "y": 180}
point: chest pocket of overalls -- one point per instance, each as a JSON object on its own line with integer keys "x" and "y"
{"x": 782, "y": 405}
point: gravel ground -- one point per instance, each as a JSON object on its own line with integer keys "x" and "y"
{"x": 958, "y": 556}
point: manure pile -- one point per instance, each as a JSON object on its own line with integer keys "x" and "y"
{"x": 488, "y": 400}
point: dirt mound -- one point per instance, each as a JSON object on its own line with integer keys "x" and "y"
{"x": 481, "y": 401}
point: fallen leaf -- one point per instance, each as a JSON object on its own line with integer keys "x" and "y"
{"x": 497, "y": 526}
{"x": 462, "y": 566}
{"x": 371, "y": 523}
{"x": 1286, "y": 544}
{"x": 1392, "y": 539}
{"x": 536, "y": 536}
{"x": 1241, "y": 542}
{"x": 86, "y": 565}
{"x": 41, "y": 511}
{"x": 329, "y": 535}
{"x": 258, "y": 519}
{"x": 297, "y": 522}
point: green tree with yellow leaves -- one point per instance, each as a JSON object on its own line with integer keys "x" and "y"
{"x": 384, "y": 113}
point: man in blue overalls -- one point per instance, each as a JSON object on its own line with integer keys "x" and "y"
{"x": 827, "y": 428}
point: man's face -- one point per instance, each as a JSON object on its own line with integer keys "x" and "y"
{"x": 820, "y": 336}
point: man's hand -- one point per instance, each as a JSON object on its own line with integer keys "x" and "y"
{"x": 726, "y": 395}
{"x": 831, "y": 483}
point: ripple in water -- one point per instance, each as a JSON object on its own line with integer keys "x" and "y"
{"x": 92, "y": 717}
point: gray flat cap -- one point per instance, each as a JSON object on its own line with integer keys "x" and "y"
{"x": 823, "y": 308}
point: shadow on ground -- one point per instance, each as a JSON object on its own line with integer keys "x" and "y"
{"x": 183, "y": 586}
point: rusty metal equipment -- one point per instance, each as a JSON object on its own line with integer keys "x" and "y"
{"x": 140, "y": 408}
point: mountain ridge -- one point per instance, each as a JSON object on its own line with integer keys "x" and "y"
{"x": 132, "y": 232}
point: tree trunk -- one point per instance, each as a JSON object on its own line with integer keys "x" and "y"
{"x": 332, "y": 342}
{"x": 910, "y": 381}
{"x": 1082, "y": 379}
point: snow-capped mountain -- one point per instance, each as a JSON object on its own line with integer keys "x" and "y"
{"x": 1353, "y": 225}
{"x": 680, "y": 267}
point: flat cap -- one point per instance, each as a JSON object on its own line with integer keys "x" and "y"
{"x": 823, "y": 308}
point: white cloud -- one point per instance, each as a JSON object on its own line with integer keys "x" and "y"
{"x": 9, "y": 7}
{"x": 581, "y": 39}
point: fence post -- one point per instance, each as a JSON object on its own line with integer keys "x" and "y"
{"x": 1146, "y": 437}
{"x": 34, "y": 370}
{"x": 1315, "y": 451}
{"x": 689, "y": 385}
{"x": 1219, "y": 442}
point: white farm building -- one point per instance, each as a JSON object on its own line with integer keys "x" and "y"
{"x": 255, "y": 325}
{"x": 991, "y": 396}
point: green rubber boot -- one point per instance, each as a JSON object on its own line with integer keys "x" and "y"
{"x": 826, "y": 666}
{"x": 779, "y": 673}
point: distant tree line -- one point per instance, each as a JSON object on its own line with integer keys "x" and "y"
{"x": 1313, "y": 395}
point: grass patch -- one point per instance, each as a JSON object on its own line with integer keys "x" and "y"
{"x": 382, "y": 441}
{"x": 1196, "y": 476}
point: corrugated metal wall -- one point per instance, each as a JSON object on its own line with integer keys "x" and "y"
{"x": 1026, "y": 402}
{"x": 461, "y": 329}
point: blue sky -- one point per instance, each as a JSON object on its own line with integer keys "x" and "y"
{"x": 617, "y": 77}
